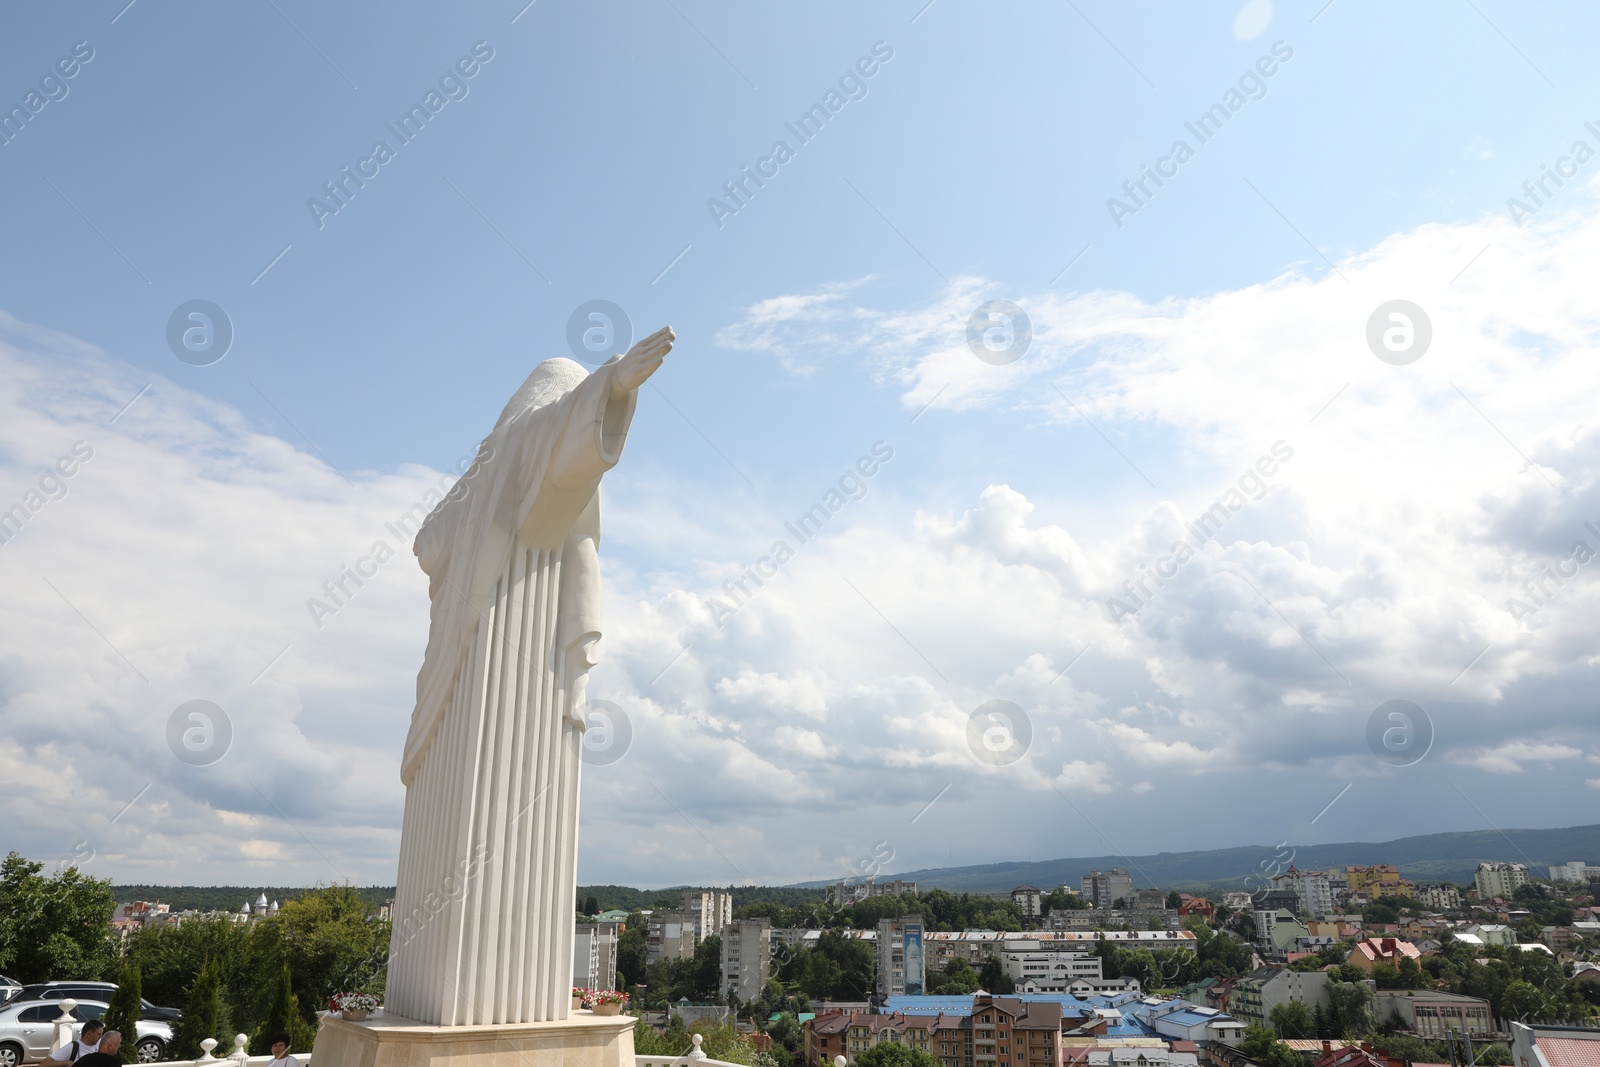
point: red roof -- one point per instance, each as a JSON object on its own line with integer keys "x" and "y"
{"x": 1569, "y": 1052}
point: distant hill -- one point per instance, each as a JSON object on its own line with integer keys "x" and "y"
{"x": 227, "y": 897}
{"x": 1429, "y": 858}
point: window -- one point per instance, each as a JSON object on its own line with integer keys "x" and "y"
{"x": 41, "y": 1013}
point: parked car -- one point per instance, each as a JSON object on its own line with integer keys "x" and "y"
{"x": 9, "y": 989}
{"x": 28, "y": 1030}
{"x": 94, "y": 991}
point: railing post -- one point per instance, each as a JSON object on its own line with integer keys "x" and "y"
{"x": 696, "y": 1053}
{"x": 240, "y": 1055}
{"x": 64, "y": 1021}
{"x": 205, "y": 1048}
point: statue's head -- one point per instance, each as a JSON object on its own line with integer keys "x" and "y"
{"x": 549, "y": 382}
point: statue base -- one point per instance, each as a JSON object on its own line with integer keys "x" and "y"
{"x": 583, "y": 1040}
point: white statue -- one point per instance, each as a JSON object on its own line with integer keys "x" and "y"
{"x": 483, "y": 914}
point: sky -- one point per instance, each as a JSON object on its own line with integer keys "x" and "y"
{"x": 1225, "y": 374}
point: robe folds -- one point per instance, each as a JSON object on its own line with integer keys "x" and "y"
{"x": 483, "y": 914}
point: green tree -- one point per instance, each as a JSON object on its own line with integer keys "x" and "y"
{"x": 122, "y": 1014}
{"x": 1173, "y": 899}
{"x": 1522, "y": 1001}
{"x": 169, "y": 958}
{"x": 1350, "y": 1008}
{"x": 958, "y": 979}
{"x": 55, "y": 927}
{"x": 202, "y": 1018}
{"x": 992, "y": 978}
{"x": 893, "y": 1054}
{"x": 1292, "y": 1019}
{"x": 1264, "y": 1049}
{"x": 329, "y": 944}
{"x": 633, "y": 952}
{"x": 283, "y": 1016}
{"x": 1495, "y": 1055}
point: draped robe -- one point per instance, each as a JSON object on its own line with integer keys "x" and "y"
{"x": 483, "y": 913}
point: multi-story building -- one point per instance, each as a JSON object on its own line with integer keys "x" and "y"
{"x": 1104, "y": 888}
{"x": 1575, "y": 871}
{"x": 1378, "y": 880}
{"x": 1148, "y": 898}
{"x": 594, "y": 956}
{"x": 849, "y": 1034}
{"x": 1440, "y": 897}
{"x": 1278, "y": 933}
{"x": 712, "y": 910}
{"x": 746, "y": 958}
{"x": 670, "y": 935}
{"x": 1499, "y": 879}
{"x": 844, "y": 893}
{"x": 1029, "y": 898}
{"x": 1104, "y": 918}
{"x": 1257, "y": 993}
{"x": 900, "y": 956}
{"x": 1312, "y": 889}
{"x": 1431, "y": 1014}
{"x": 1048, "y": 972}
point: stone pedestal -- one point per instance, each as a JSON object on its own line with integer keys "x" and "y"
{"x": 584, "y": 1040}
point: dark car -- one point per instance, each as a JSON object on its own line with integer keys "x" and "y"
{"x": 99, "y": 991}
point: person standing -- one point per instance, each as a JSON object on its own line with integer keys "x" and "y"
{"x": 106, "y": 1054}
{"x": 88, "y": 1042}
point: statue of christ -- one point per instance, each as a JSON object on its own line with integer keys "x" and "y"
{"x": 485, "y": 897}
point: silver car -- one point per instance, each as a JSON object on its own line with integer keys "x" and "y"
{"x": 28, "y": 1029}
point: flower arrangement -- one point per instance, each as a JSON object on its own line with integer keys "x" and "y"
{"x": 604, "y": 996}
{"x": 351, "y": 1003}
{"x": 581, "y": 992}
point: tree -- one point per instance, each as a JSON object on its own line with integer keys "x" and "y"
{"x": 633, "y": 952}
{"x": 591, "y": 906}
{"x": 1495, "y": 1055}
{"x": 283, "y": 1016}
{"x": 1173, "y": 899}
{"x": 55, "y": 927}
{"x": 202, "y": 1018}
{"x": 1350, "y": 1006}
{"x": 1521, "y": 1001}
{"x": 993, "y": 978}
{"x": 1264, "y": 1049}
{"x": 1292, "y": 1019}
{"x": 958, "y": 979}
{"x": 329, "y": 944}
{"x": 892, "y": 1054}
{"x": 122, "y": 1014}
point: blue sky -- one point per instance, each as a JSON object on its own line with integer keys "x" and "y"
{"x": 374, "y": 346}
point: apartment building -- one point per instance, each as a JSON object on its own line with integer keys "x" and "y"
{"x": 1007, "y": 1032}
{"x": 1257, "y": 993}
{"x": 1378, "y": 880}
{"x": 900, "y": 956}
{"x": 1105, "y": 888}
{"x": 712, "y": 909}
{"x": 1499, "y": 879}
{"x": 594, "y": 955}
{"x": 746, "y": 957}
{"x": 849, "y": 1034}
{"x": 1313, "y": 891}
{"x": 1029, "y": 898}
{"x": 1102, "y": 918}
{"x": 670, "y": 935}
{"x": 1441, "y": 897}
{"x": 1575, "y": 871}
{"x": 844, "y": 893}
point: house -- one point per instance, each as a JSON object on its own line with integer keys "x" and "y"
{"x": 1188, "y": 905}
{"x": 1368, "y": 953}
{"x": 1490, "y": 933}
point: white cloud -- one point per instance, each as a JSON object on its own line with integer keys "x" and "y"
{"x": 1375, "y": 563}
{"x": 1509, "y": 758}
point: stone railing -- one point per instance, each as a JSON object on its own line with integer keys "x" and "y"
{"x": 695, "y": 1057}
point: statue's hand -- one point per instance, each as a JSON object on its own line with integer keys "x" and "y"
{"x": 641, "y": 361}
